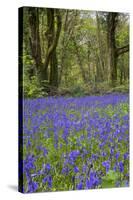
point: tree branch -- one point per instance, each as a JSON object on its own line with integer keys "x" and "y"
{"x": 122, "y": 50}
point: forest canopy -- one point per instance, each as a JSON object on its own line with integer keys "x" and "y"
{"x": 74, "y": 52}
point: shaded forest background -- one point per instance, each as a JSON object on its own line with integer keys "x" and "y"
{"x": 74, "y": 52}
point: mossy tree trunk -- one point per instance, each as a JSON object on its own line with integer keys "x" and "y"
{"x": 34, "y": 38}
{"x": 111, "y": 28}
{"x": 53, "y": 33}
{"x": 113, "y": 51}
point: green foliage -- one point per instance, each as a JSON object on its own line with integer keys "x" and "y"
{"x": 110, "y": 179}
{"x": 121, "y": 88}
{"x": 81, "y": 53}
{"x": 78, "y": 91}
{"x": 100, "y": 88}
{"x": 32, "y": 88}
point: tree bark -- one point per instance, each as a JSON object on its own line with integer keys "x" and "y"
{"x": 54, "y": 71}
{"x": 35, "y": 38}
{"x": 122, "y": 50}
{"x": 63, "y": 46}
{"x": 35, "y": 45}
{"x": 53, "y": 41}
{"x": 100, "y": 54}
{"x": 114, "y": 52}
{"x": 111, "y": 28}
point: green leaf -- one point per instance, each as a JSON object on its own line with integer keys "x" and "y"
{"x": 108, "y": 184}
{"x": 111, "y": 175}
{"x": 110, "y": 179}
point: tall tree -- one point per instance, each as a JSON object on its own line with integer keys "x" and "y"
{"x": 100, "y": 53}
{"x": 52, "y": 34}
{"x": 112, "y": 19}
{"x": 53, "y": 37}
{"x": 34, "y": 38}
{"x": 114, "y": 52}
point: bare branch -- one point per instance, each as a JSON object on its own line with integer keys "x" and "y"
{"x": 122, "y": 50}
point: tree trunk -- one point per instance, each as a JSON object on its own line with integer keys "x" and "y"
{"x": 63, "y": 45}
{"x": 53, "y": 79}
{"x": 52, "y": 37}
{"x": 111, "y": 28}
{"x": 35, "y": 38}
{"x": 52, "y": 41}
{"x": 80, "y": 61}
{"x": 121, "y": 77}
{"x": 54, "y": 60}
{"x": 54, "y": 71}
{"x": 88, "y": 61}
{"x": 42, "y": 73}
{"x": 100, "y": 54}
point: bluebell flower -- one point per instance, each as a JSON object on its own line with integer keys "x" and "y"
{"x": 112, "y": 151}
{"x": 84, "y": 168}
{"x": 65, "y": 135}
{"x": 44, "y": 180}
{"x": 45, "y": 151}
{"x": 106, "y": 164}
{"x": 56, "y": 138}
{"x": 88, "y": 184}
{"x": 126, "y": 117}
{"x": 103, "y": 154}
{"x": 29, "y": 162}
{"x": 117, "y": 184}
{"x": 117, "y": 155}
{"x": 79, "y": 186}
{"x": 73, "y": 156}
{"x": 48, "y": 167}
{"x": 101, "y": 145}
{"x": 32, "y": 186}
{"x": 126, "y": 183}
{"x": 126, "y": 155}
{"x": 115, "y": 167}
{"x": 65, "y": 170}
{"x": 94, "y": 180}
{"x": 94, "y": 156}
{"x": 76, "y": 169}
{"x": 28, "y": 143}
{"x": 101, "y": 127}
{"x": 121, "y": 166}
{"x": 48, "y": 179}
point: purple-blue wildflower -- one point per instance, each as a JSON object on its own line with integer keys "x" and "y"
{"x": 76, "y": 169}
{"x": 106, "y": 164}
{"x": 121, "y": 166}
{"x": 32, "y": 187}
{"x": 48, "y": 167}
{"x": 79, "y": 186}
{"x": 117, "y": 155}
{"x": 74, "y": 137}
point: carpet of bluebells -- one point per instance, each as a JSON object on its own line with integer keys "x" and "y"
{"x": 76, "y": 143}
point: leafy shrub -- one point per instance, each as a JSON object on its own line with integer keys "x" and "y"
{"x": 121, "y": 88}
{"x": 32, "y": 88}
{"x": 78, "y": 91}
